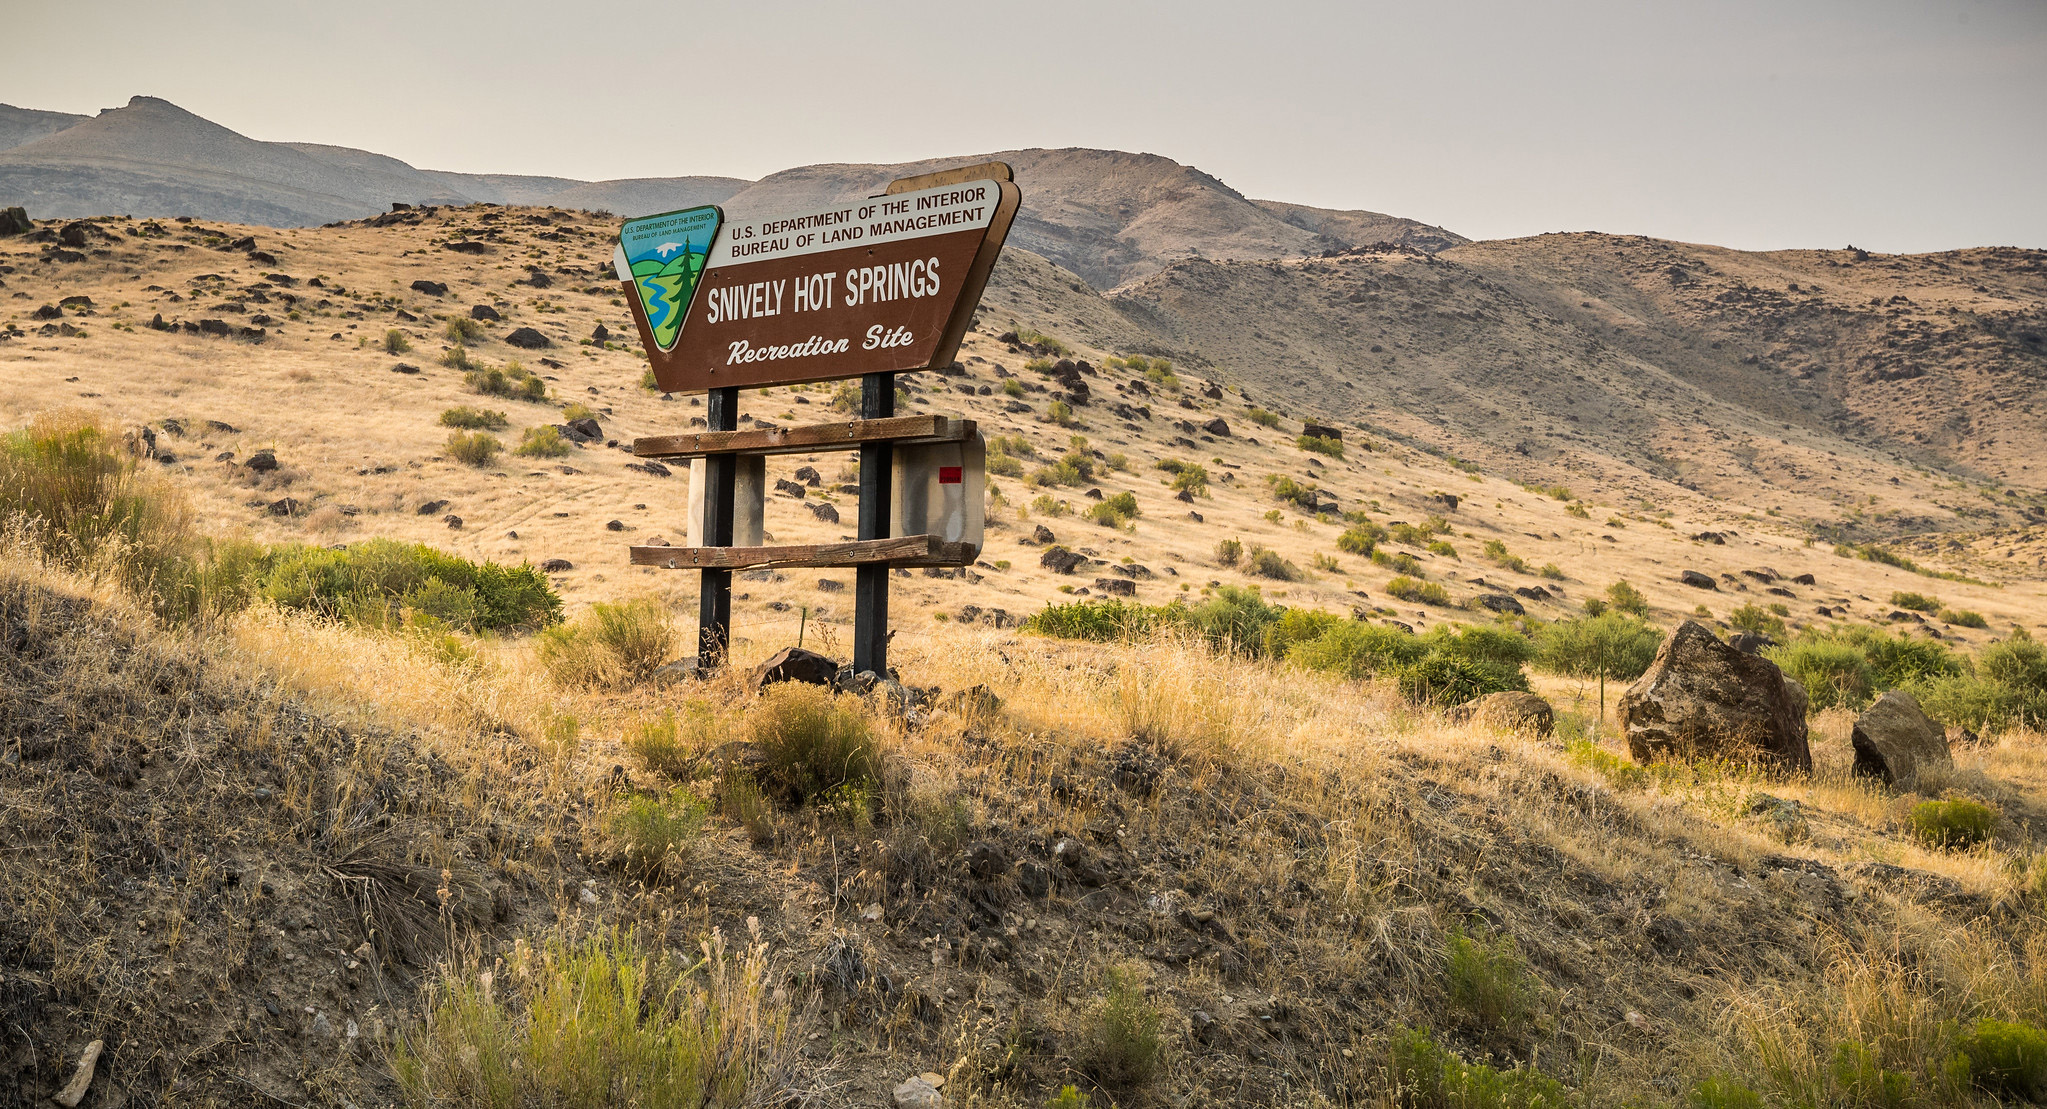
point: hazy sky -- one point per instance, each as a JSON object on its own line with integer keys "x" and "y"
{"x": 1895, "y": 126}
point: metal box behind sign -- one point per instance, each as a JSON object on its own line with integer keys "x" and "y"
{"x": 941, "y": 489}
{"x": 749, "y": 498}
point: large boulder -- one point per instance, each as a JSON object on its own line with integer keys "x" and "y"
{"x": 794, "y": 664}
{"x": 1701, "y": 697}
{"x": 1893, "y": 738}
{"x": 526, "y": 338}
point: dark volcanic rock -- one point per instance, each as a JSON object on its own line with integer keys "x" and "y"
{"x": 484, "y": 312}
{"x": 1893, "y": 738}
{"x": 1701, "y": 697}
{"x": 430, "y": 288}
{"x": 1698, "y": 580}
{"x": 794, "y": 664}
{"x": 1059, "y": 560}
{"x": 528, "y": 339}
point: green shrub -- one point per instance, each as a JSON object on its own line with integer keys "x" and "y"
{"x": 1488, "y": 983}
{"x": 1116, "y": 511}
{"x": 509, "y": 380}
{"x": 1320, "y": 445}
{"x": 1044, "y": 504}
{"x": 1487, "y": 643}
{"x": 1917, "y": 602}
{"x": 1013, "y": 388}
{"x": 1361, "y": 539}
{"x": 1497, "y": 552}
{"x": 1187, "y": 476}
{"x": 1104, "y": 621}
{"x": 1963, "y": 618}
{"x": 671, "y": 744}
{"x": 613, "y": 645}
{"x": 1417, "y": 592}
{"x": 653, "y": 835}
{"x": 1068, "y": 1097}
{"x": 1610, "y": 645}
{"x": 1720, "y": 1092}
{"x": 541, "y": 442}
{"x": 1228, "y": 551}
{"x": 395, "y": 342}
{"x": 1835, "y": 674}
{"x": 1357, "y": 650}
{"x": 2007, "y": 1058}
{"x": 1427, "y": 1075}
{"x": 1399, "y": 563}
{"x": 1263, "y": 418}
{"x": 1757, "y": 619}
{"x": 607, "y": 1020}
{"x": 1952, "y": 824}
{"x": 1060, "y": 412}
{"x": 813, "y": 742}
{"x": 462, "y": 329}
{"x": 374, "y": 581}
{"x": 1296, "y": 626}
{"x": 1442, "y": 547}
{"x": 1124, "y": 1047}
{"x": 1293, "y": 492}
{"x": 474, "y": 419}
{"x": 648, "y": 381}
{"x": 473, "y": 448}
{"x": 1234, "y": 619}
{"x": 1627, "y": 598}
{"x": 1444, "y": 679}
{"x": 1265, "y": 563}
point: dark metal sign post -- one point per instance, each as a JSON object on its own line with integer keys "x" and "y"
{"x": 868, "y": 289}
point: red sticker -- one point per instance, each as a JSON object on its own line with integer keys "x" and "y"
{"x": 948, "y": 475}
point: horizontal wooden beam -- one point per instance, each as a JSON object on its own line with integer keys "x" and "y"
{"x": 845, "y": 435}
{"x": 907, "y": 550}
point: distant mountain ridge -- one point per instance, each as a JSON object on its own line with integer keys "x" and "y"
{"x": 1110, "y": 216}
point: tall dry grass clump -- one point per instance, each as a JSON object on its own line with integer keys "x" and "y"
{"x": 611, "y": 646}
{"x": 607, "y": 1020}
{"x": 72, "y": 495}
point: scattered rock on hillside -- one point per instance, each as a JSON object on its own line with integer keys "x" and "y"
{"x": 602, "y": 334}
{"x": 1804, "y": 579}
{"x": 430, "y": 288}
{"x": 808, "y": 475}
{"x": 404, "y": 368}
{"x": 528, "y": 339}
{"x": 1321, "y": 431}
{"x": 453, "y": 521}
{"x": 468, "y": 246}
{"x": 286, "y": 507}
{"x": 828, "y": 585}
{"x": 1059, "y": 560}
{"x": 15, "y": 221}
{"x": 1116, "y": 587}
{"x": 262, "y": 461}
{"x": 917, "y": 1093}
{"x": 1042, "y": 534}
{"x": 557, "y": 566}
{"x": 1701, "y": 697}
{"x": 484, "y": 312}
{"x": 585, "y": 428}
{"x": 1500, "y": 602}
{"x": 47, "y": 312}
{"x": 615, "y": 525}
{"x": 1893, "y": 738}
{"x": 1698, "y": 580}
{"x": 1712, "y": 537}
{"x": 791, "y": 488}
{"x": 1751, "y": 643}
{"x": 431, "y": 507}
{"x": 1217, "y": 428}
{"x": 824, "y": 512}
{"x": 794, "y": 664}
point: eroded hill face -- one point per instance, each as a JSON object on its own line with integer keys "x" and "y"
{"x": 1807, "y": 381}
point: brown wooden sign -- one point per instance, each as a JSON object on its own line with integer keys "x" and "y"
{"x": 877, "y": 285}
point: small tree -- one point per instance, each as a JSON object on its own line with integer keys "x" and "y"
{"x": 1610, "y": 645}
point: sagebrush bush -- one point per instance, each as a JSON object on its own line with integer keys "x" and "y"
{"x": 1320, "y": 445}
{"x": 1758, "y": 620}
{"x": 1125, "y": 1047}
{"x": 541, "y": 442}
{"x": 653, "y": 835}
{"x": 1917, "y": 602}
{"x": 612, "y": 645}
{"x": 473, "y": 448}
{"x": 1953, "y": 824}
{"x": 671, "y": 744}
{"x": 1625, "y": 597}
{"x": 1265, "y": 563}
{"x": 509, "y": 380}
{"x": 373, "y": 582}
{"x": 1603, "y": 646}
{"x": 1963, "y": 618}
{"x": 1488, "y": 983}
{"x": 608, "y": 1020}
{"x": 1417, "y": 592}
{"x": 462, "y": 329}
{"x": 395, "y": 342}
{"x": 1426, "y": 1075}
{"x": 1228, "y": 551}
{"x": 1116, "y": 511}
{"x": 1361, "y": 539}
{"x": 474, "y": 419}
{"x": 577, "y": 410}
{"x": 813, "y": 741}
{"x": 2007, "y": 1058}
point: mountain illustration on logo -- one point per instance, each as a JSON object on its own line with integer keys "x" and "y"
{"x": 665, "y": 256}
